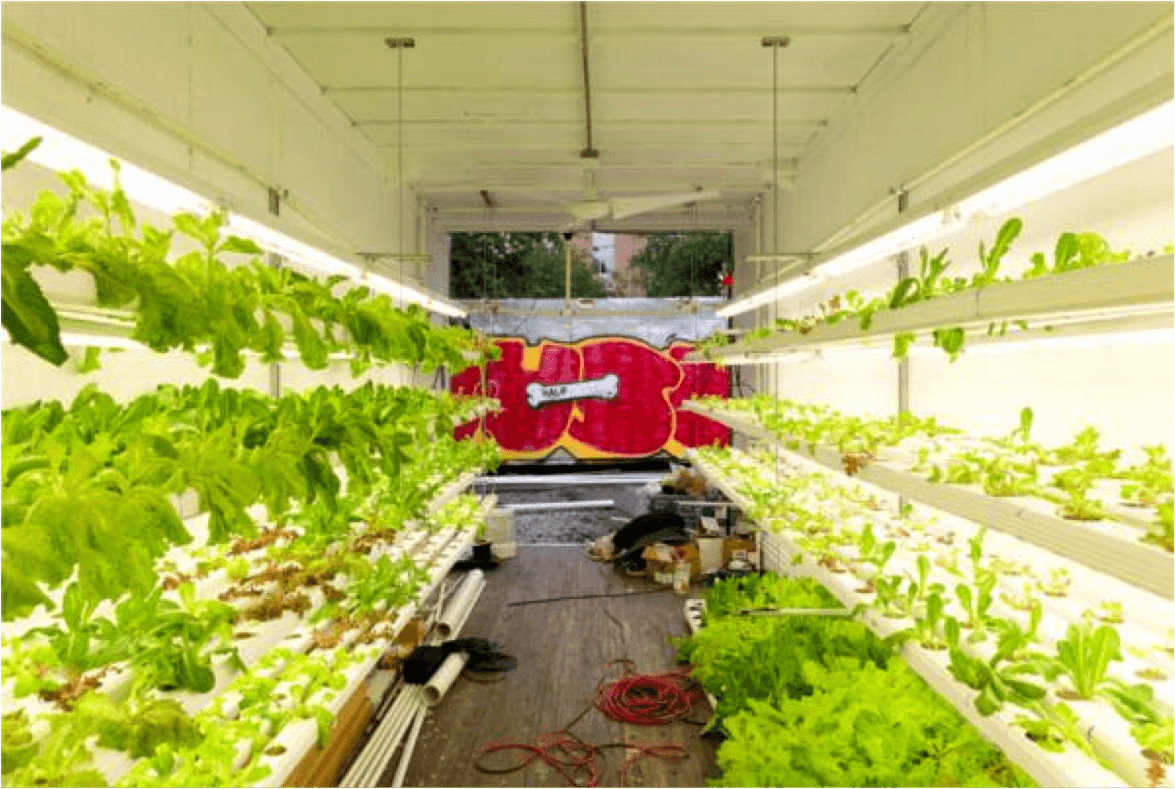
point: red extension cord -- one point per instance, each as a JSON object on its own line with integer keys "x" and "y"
{"x": 647, "y": 699}
{"x": 639, "y": 699}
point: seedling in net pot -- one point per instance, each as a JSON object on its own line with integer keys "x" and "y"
{"x": 1110, "y": 611}
{"x": 1024, "y": 599}
{"x": 1150, "y": 483}
{"x": 997, "y": 680}
{"x": 918, "y": 589}
{"x": 1076, "y": 484}
{"x": 976, "y": 601}
{"x": 1015, "y": 641}
{"x": 890, "y": 601}
{"x": 1162, "y": 531}
{"x": 928, "y": 627}
{"x": 1083, "y": 657}
{"x": 1056, "y": 584}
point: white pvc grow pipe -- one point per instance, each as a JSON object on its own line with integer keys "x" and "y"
{"x": 460, "y": 603}
{"x": 559, "y": 505}
{"x": 445, "y": 676}
{"x": 409, "y": 747}
{"x": 366, "y": 771}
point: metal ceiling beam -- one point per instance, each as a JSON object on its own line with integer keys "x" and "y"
{"x": 523, "y": 166}
{"x": 482, "y": 147}
{"x": 632, "y": 189}
{"x": 815, "y": 123}
{"x": 588, "y": 151}
{"x": 599, "y": 31}
{"x": 620, "y": 90}
{"x": 555, "y": 210}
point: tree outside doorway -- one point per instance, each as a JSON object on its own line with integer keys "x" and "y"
{"x": 531, "y": 264}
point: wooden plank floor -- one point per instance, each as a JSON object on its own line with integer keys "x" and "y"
{"x": 563, "y": 649}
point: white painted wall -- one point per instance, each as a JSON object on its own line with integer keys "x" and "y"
{"x": 296, "y": 378}
{"x": 1124, "y": 386}
{"x": 967, "y": 70}
{"x": 198, "y": 93}
{"x": 124, "y": 375}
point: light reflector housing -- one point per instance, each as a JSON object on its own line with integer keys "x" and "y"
{"x": 62, "y": 152}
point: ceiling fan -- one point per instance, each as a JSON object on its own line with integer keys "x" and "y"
{"x": 592, "y": 208}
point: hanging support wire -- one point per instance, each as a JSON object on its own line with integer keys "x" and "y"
{"x": 776, "y": 43}
{"x": 400, "y": 44}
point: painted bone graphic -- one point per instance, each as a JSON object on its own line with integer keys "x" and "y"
{"x": 553, "y": 395}
{"x": 606, "y": 388}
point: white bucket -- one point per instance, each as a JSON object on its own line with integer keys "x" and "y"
{"x": 710, "y": 553}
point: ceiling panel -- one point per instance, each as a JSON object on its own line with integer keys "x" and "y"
{"x": 370, "y": 105}
{"x": 681, "y": 92}
{"x": 769, "y": 18}
{"x": 715, "y": 103}
{"x": 418, "y": 15}
{"x": 347, "y": 60}
{"x": 477, "y": 135}
{"x": 708, "y": 61}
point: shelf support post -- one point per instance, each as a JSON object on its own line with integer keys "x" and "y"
{"x": 904, "y": 362}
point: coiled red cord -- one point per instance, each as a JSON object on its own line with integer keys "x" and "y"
{"x": 648, "y": 699}
{"x": 639, "y": 699}
{"x": 573, "y": 757}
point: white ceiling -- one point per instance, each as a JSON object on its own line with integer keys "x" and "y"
{"x": 681, "y": 94}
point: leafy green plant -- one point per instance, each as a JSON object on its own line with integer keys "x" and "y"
{"x": 18, "y": 746}
{"x": 765, "y": 592}
{"x": 976, "y": 602}
{"x": 1162, "y": 531}
{"x": 998, "y": 679}
{"x": 1157, "y": 737}
{"x": 62, "y": 758}
{"x": 1083, "y": 657}
{"x": 919, "y": 588}
{"x": 138, "y": 727}
{"x": 1056, "y": 583}
{"x": 928, "y": 627}
{"x": 197, "y": 298}
{"x": 875, "y": 726}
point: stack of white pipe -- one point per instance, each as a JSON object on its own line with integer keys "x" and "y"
{"x": 414, "y": 701}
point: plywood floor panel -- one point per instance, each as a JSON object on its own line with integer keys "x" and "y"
{"x": 563, "y": 649}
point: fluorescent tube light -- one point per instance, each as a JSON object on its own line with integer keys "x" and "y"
{"x": 292, "y": 249}
{"x": 1135, "y": 139}
{"x": 916, "y": 233}
{"x": 114, "y": 342}
{"x": 1142, "y": 136}
{"x": 80, "y": 340}
{"x": 61, "y": 152}
{"x": 769, "y": 295}
{"x": 1143, "y": 337}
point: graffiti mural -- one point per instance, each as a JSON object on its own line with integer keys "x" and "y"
{"x": 602, "y": 397}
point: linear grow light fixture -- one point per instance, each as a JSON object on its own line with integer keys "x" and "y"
{"x": 1164, "y": 336}
{"x": 115, "y": 342}
{"x": 61, "y": 152}
{"x": 774, "y": 293}
{"x": 1127, "y": 142}
{"x": 1136, "y": 139}
{"x": 71, "y": 339}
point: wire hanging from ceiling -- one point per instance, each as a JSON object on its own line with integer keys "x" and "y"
{"x": 400, "y": 159}
{"x": 693, "y": 275}
{"x": 775, "y": 43}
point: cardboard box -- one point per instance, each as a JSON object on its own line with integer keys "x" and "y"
{"x": 738, "y": 548}
{"x": 664, "y": 557}
{"x": 320, "y": 766}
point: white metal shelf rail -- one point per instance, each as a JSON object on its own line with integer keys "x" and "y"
{"x": 1102, "y": 298}
{"x": 1070, "y": 768}
{"x": 1099, "y": 545}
